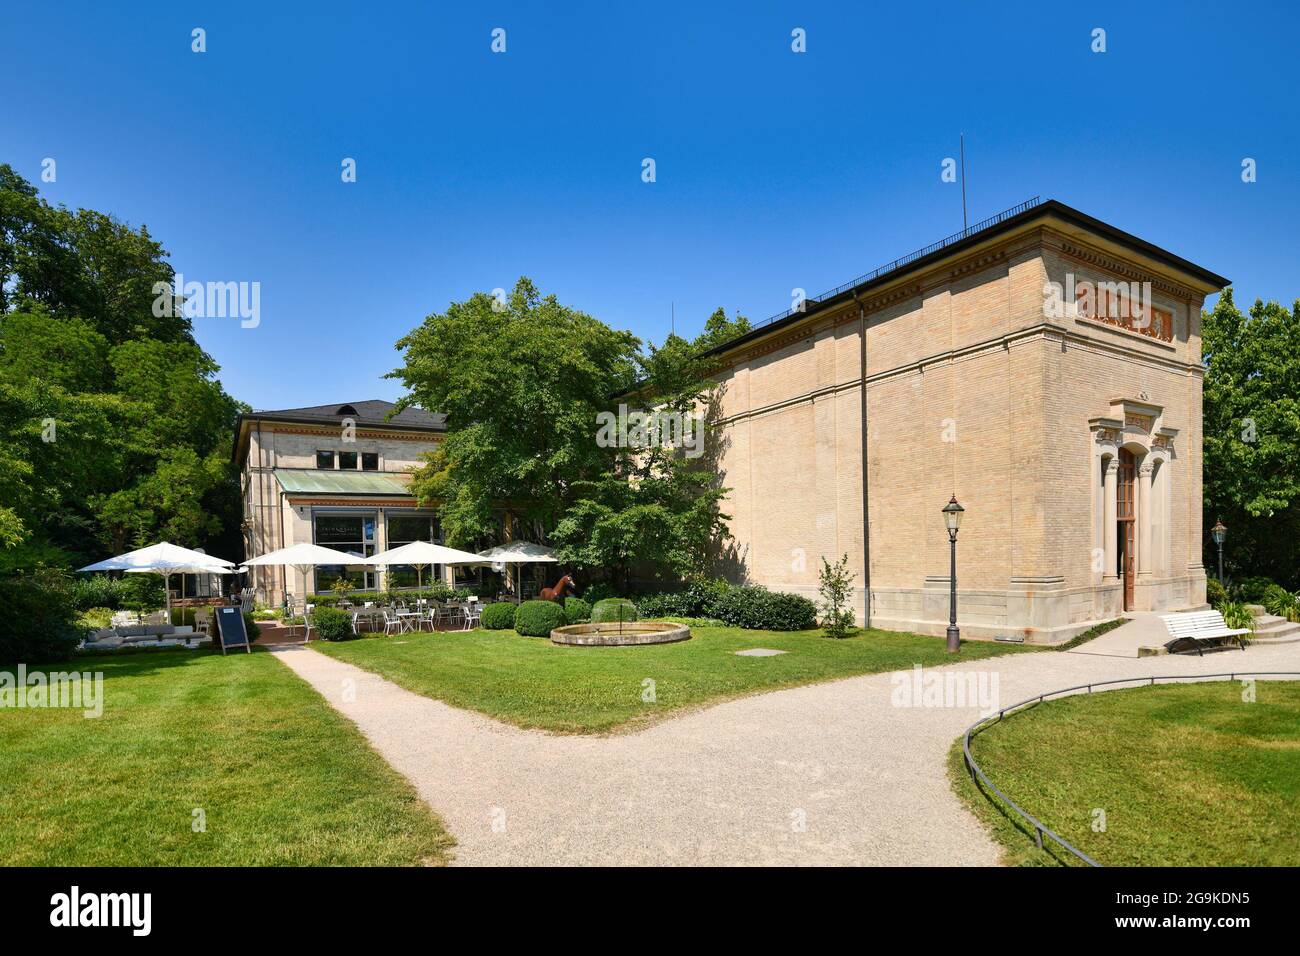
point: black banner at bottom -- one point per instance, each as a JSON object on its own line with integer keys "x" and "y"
{"x": 330, "y": 906}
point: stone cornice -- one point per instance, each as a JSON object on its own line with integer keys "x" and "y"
{"x": 361, "y": 432}
{"x": 1096, "y": 258}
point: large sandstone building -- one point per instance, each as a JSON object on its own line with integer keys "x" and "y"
{"x": 1009, "y": 366}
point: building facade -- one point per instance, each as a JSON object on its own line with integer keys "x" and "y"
{"x": 1044, "y": 368}
{"x": 338, "y": 476}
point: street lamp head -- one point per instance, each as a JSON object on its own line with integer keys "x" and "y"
{"x": 952, "y": 513}
{"x": 1219, "y": 533}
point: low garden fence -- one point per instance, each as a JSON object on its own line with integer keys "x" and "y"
{"x": 1041, "y": 830}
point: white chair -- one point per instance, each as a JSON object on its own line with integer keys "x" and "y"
{"x": 473, "y": 612}
{"x": 203, "y": 620}
{"x": 392, "y": 623}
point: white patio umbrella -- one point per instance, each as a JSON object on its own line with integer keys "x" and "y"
{"x": 519, "y": 552}
{"x": 420, "y": 553}
{"x": 303, "y": 557}
{"x": 163, "y": 558}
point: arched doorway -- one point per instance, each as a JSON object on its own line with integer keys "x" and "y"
{"x": 1126, "y": 521}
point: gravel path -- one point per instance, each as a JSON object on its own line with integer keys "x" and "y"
{"x": 825, "y": 774}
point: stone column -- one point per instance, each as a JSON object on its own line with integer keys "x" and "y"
{"x": 1144, "y": 509}
{"x": 1111, "y": 516}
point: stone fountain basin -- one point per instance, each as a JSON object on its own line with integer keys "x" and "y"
{"x": 626, "y": 634}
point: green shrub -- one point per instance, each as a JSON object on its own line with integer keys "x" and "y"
{"x": 99, "y": 590}
{"x": 498, "y": 617}
{"x": 332, "y": 623}
{"x": 1237, "y": 615}
{"x": 836, "y": 591}
{"x": 39, "y": 622}
{"x": 577, "y": 610}
{"x": 1250, "y": 589}
{"x": 1278, "y": 600}
{"x": 539, "y": 618}
{"x": 251, "y": 628}
{"x": 591, "y": 593}
{"x": 96, "y": 618}
{"x": 1215, "y": 592}
{"x": 613, "y": 609}
{"x": 751, "y": 606}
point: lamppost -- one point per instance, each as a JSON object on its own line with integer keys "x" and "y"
{"x": 1219, "y": 533}
{"x": 952, "y": 513}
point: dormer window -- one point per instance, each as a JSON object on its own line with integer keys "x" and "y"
{"x": 346, "y": 410}
{"x": 325, "y": 459}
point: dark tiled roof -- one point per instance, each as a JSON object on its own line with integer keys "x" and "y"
{"x": 372, "y": 411}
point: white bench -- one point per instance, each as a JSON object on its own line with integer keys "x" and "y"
{"x": 1201, "y": 631}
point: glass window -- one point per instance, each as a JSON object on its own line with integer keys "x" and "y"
{"x": 324, "y": 459}
{"x": 403, "y": 529}
{"x": 353, "y": 534}
{"x": 348, "y": 460}
{"x": 370, "y": 461}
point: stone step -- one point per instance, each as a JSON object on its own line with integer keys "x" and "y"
{"x": 1265, "y": 620}
{"x": 1281, "y": 631}
{"x": 1256, "y": 609}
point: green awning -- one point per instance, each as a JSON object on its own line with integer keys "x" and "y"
{"x": 324, "y": 481}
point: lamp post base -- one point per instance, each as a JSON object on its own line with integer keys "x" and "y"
{"x": 954, "y": 640}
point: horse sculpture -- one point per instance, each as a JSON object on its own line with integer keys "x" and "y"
{"x": 562, "y": 587}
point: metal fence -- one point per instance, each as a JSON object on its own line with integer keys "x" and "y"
{"x": 1041, "y": 830}
{"x": 904, "y": 260}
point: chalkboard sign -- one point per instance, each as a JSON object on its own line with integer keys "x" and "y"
{"x": 231, "y": 630}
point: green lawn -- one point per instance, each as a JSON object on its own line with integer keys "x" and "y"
{"x": 1187, "y": 774}
{"x": 533, "y": 683}
{"x": 281, "y": 777}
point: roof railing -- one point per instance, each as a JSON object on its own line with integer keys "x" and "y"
{"x": 904, "y": 260}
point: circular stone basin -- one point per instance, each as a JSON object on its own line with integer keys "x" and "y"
{"x": 614, "y": 634}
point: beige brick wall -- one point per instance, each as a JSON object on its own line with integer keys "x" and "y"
{"x": 971, "y": 390}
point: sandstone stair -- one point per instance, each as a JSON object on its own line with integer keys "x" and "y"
{"x": 1271, "y": 629}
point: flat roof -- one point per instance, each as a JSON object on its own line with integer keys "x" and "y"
{"x": 1012, "y": 219}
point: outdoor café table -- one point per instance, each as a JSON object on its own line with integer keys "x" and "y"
{"x": 408, "y": 619}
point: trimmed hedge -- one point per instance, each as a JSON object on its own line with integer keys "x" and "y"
{"x": 499, "y": 616}
{"x": 332, "y": 623}
{"x": 539, "y": 618}
{"x": 131, "y": 592}
{"x": 751, "y": 606}
{"x": 434, "y": 592}
{"x": 39, "y": 623}
{"x": 613, "y": 609}
{"x": 577, "y": 610}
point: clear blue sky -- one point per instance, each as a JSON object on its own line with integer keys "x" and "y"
{"x": 775, "y": 169}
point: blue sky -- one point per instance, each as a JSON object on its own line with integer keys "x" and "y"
{"x": 774, "y": 169}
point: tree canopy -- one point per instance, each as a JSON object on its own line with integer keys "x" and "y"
{"x": 524, "y": 383}
{"x": 1252, "y": 435}
{"x": 114, "y": 431}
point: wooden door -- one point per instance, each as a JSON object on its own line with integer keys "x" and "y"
{"x": 1126, "y": 515}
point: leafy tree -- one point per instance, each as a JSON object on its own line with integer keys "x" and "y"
{"x": 520, "y": 382}
{"x": 656, "y": 506}
{"x": 523, "y": 384}
{"x": 1252, "y": 436}
{"x": 114, "y": 430}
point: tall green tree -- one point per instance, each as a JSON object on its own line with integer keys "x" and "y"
{"x": 114, "y": 430}
{"x": 521, "y": 382}
{"x": 526, "y": 384}
{"x": 655, "y": 509}
{"x": 1252, "y": 436}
